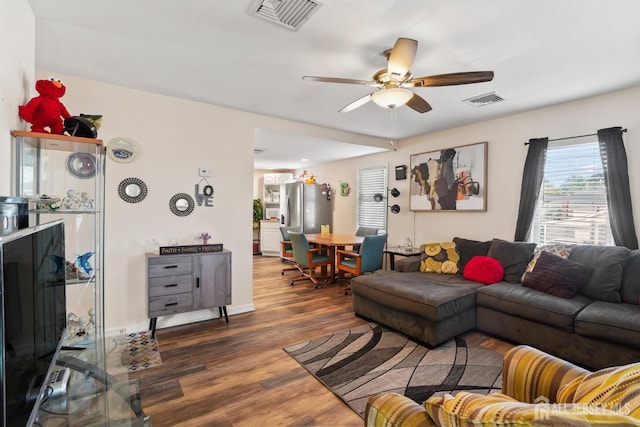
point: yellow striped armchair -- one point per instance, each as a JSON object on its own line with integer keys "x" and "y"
{"x": 537, "y": 389}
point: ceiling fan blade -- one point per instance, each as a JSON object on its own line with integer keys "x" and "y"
{"x": 419, "y": 104}
{"x": 401, "y": 56}
{"x": 452, "y": 79}
{"x": 338, "y": 80}
{"x": 355, "y": 104}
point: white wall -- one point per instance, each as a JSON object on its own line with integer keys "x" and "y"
{"x": 506, "y": 155}
{"x": 176, "y": 138}
{"x": 17, "y": 50}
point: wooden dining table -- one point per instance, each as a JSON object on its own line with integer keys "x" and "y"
{"x": 334, "y": 241}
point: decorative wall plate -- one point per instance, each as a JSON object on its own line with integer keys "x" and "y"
{"x": 181, "y": 204}
{"x": 122, "y": 150}
{"x": 82, "y": 165}
{"x": 132, "y": 190}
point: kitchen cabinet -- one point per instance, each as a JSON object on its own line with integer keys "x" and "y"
{"x": 270, "y": 237}
{"x": 273, "y": 194}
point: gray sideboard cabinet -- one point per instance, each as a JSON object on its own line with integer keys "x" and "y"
{"x": 183, "y": 283}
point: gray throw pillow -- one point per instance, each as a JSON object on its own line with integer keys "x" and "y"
{"x": 630, "y": 290}
{"x": 467, "y": 249}
{"x": 514, "y": 257}
{"x": 557, "y": 276}
{"x": 608, "y": 263}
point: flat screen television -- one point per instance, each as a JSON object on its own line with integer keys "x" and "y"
{"x": 33, "y": 317}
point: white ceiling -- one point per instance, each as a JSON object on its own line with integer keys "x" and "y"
{"x": 543, "y": 52}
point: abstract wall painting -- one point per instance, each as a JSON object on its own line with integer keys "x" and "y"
{"x": 452, "y": 179}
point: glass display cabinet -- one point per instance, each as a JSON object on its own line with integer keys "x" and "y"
{"x": 63, "y": 178}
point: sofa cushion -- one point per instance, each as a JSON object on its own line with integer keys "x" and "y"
{"x": 514, "y": 257}
{"x": 483, "y": 269}
{"x": 617, "y": 387}
{"x": 439, "y": 257}
{"x": 407, "y": 264}
{"x": 497, "y": 409}
{"x": 613, "y": 322}
{"x": 526, "y": 303}
{"x": 431, "y": 296}
{"x": 608, "y": 263}
{"x": 630, "y": 289}
{"x": 470, "y": 248}
{"x": 557, "y": 248}
{"x": 557, "y": 276}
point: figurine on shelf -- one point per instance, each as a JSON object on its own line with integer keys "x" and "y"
{"x": 84, "y": 268}
{"x": 71, "y": 270}
{"x": 204, "y": 237}
{"x": 77, "y": 200}
{"x": 46, "y": 110}
{"x": 80, "y": 326}
{"x": 45, "y": 202}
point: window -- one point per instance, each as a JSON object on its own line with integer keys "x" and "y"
{"x": 572, "y": 206}
{"x": 370, "y": 213}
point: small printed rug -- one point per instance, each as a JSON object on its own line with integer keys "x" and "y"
{"x": 360, "y": 362}
{"x": 142, "y": 352}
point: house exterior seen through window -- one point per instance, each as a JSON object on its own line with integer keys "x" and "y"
{"x": 572, "y": 206}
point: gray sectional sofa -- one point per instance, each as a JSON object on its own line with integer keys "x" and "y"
{"x": 599, "y": 326}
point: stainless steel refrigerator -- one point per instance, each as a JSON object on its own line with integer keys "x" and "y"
{"x": 307, "y": 207}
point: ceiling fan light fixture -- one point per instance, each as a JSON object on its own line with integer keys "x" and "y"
{"x": 392, "y": 97}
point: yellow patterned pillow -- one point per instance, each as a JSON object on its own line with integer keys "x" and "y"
{"x": 440, "y": 257}
{"x": 497, "y": 409}
{"x": 616, "y": 388}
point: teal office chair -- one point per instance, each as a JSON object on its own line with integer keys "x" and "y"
{"x": 365, "y": 231}
{"x": 286, "y": 250}
{"x": 308, "y": 258}
{"x": 367, "y": 260}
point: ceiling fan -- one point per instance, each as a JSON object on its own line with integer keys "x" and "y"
{"x": 393, "y": 83}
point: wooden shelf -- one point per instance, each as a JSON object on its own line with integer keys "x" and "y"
{"x": 52, "y": 141}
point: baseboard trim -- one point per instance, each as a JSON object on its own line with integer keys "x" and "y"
{"x": 191, "y": 317}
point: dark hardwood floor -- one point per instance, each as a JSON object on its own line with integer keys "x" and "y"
{"x": 237, "y": 374}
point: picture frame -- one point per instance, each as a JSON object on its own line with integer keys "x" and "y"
{"x": 452, "y": 179}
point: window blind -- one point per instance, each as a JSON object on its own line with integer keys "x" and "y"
{"x": 370, "y": 181}
{"x": 572, "y": 206}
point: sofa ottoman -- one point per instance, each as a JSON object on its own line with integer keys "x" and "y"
{"x": 432, "y": 308}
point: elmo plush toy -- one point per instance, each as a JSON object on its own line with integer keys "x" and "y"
{"x": 46, "y": 110}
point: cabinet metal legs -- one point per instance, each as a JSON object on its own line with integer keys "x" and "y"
{"x": 152, "y": 326}
{"x": 154, "y": 321}
{"x": 224, "y": 309}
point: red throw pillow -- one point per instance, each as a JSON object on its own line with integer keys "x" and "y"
{"x": 483, "y": 269}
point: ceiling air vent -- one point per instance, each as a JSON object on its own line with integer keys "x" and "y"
{"x": 290, "y": 14}
{"x": 482, "y": 100}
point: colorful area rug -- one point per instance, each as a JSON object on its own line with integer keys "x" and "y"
{"x": 142, "y": 352}
{"x": 360, "y": 362}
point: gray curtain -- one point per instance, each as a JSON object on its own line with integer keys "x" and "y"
{"x": 616, "y": 181}
{"x": 531, "y": 184}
